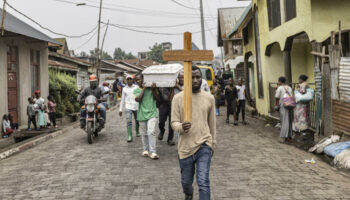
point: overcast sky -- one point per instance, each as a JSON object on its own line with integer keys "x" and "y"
{"x": 63, "y": 16}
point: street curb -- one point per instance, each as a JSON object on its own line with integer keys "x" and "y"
{"x": 42, "y": 139}
{"x": 35, "y": 142}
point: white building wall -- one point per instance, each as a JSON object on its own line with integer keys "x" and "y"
{"x": 24, "y": 46}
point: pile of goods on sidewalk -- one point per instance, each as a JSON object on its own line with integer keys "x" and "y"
{"x": 331, "y": 146}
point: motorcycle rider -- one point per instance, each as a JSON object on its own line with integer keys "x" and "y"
{"x": 93, "y": 89}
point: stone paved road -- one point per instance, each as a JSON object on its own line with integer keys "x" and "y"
{"x": 249, "y": 163}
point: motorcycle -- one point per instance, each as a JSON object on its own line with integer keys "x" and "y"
{"x": 94, "y": 122}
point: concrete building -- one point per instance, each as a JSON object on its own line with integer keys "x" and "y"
{"x": 232, "y": 47}
{"x": 23, "y": 66}
{"x": 278, "y": 36}
{"x": 74, "y": 66}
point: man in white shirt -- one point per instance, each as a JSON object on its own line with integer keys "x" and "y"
{"x": 205, "y": 86}
{"x": 241, "y": 100}
{"x": 131, "y": 107}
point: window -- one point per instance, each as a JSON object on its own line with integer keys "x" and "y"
{"x": 274, "y": 13}
{"x": 237, "y": 48}
{"x": 245, "y": 35}
{"x": 206, "y": 73}
{"x": 290, "y": 9}
{"x": 35, "y": 70}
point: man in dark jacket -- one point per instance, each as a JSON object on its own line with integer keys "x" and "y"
{"x": 231, "y": 96}
{"x": 96, "y": 91}
{"x": 167, "y": 95}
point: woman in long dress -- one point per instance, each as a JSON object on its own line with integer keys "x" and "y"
{"x": 39, "y": 108}
{"x": 300, "y": 122}
{"x": 285, "y": 114}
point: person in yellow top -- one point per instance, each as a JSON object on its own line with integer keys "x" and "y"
{"x": 197, "y": 138}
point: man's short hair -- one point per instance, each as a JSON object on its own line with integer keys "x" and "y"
{"x": 139, "y": 74}
{"x": 282, "y": 79}
{"x": 195, "y": 68}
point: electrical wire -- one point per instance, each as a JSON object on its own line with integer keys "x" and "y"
{"x": 205, "y": 22}
{"x": 164, "y": 26}
{"x": 210, "y": 13}
{"x": 137, "y": 11}
{"x": 45, "y": 28}
{"x": 87, "y": 41}
{"x": 183, "y": 5}
{"x": 149, "y": 32}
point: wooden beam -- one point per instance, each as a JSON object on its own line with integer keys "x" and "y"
{"x": 319, "y": 54}
{"x": 187, "y": 80}
{"x": 326, "y": 97}
{"x": 188, "y": 55}
{"x": 316, "y": 47}
{"x": 339, "y": 42}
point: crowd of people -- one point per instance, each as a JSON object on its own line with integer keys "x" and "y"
{"x": 196, "y": 139}
{"x": 40, "y": 114}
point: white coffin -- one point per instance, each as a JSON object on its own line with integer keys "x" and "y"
{"x": 162, "y": 75}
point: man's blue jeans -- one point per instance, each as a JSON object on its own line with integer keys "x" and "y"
{"x": 128, "y": 115}
{"x": 102, "y": 112}
{"x": 198, "y": 163}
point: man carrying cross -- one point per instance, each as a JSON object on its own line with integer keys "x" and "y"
{"x": 197, "y": 138}
{"x": 193, "y": 116}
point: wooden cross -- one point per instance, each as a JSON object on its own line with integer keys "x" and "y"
{"x": 188, "y": 55}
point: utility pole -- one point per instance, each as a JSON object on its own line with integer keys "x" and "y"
{"x": 222, "y": 59}
{"x": 103, "y": 40}
{"x": 98, "y": 53}
{"x": 202, "y": 25}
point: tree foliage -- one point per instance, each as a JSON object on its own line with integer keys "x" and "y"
{"x": 83, "y": 54}
{"x": 62, "y": 87}
{"x": 156, "y": 53}
{"x": 119, "y": 54}
{"x": 104, "y": 55}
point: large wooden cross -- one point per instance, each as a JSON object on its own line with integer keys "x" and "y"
{"x": 188, "y": 55}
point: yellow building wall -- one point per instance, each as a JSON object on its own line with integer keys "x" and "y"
{"x": 315, "y": 18}
{"x": 302, "y": 62}
{"x": 325, "y": 15}
{"x": 274, "y": 64}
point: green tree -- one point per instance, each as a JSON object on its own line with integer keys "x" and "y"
{"x": 156, "y": 53}
{"x": 104, "y": 55}
{"x": 119, "y": 54}
{"x": 83, "y": 54}
{"x": 129, "y": 56}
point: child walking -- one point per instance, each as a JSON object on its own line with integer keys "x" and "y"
{"x": 31, "y": 114}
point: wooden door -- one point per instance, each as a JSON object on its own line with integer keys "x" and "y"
{"x": 12, "y": 65}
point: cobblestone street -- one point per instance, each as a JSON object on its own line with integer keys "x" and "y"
{"x": 248, "y": 163}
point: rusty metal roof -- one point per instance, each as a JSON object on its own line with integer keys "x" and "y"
{"x": 240, "y": 20}
{"x": 227, "y": 19}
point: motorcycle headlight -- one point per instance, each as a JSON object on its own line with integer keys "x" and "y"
{"x": 90, "y": 108}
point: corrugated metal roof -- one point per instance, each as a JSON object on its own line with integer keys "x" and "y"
{"x": 344, "y": 79}
{"x": 240, "y": 20}
{"x": 227, "y": 20}
{"x": 15, "y": 25}
{"x": 120, "y": 66}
